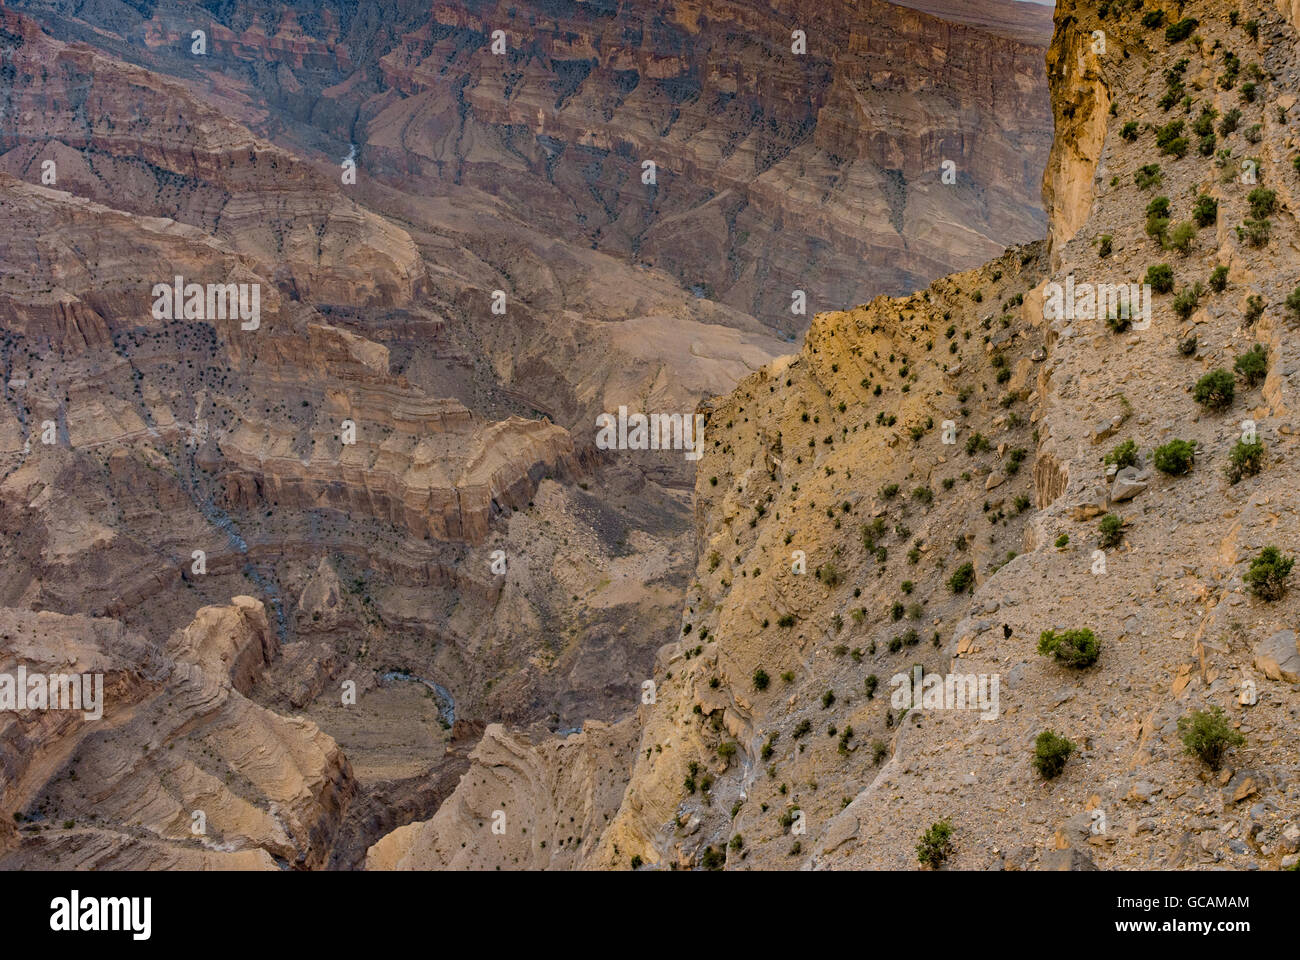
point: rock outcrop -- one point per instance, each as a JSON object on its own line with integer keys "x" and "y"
{"x": 183, "y": 770}
{"x": 526, "y": 802}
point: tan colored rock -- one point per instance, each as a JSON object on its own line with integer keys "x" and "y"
{"x": 524, "y": 803}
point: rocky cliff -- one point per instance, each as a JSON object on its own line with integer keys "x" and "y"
{"x": 783, "y": 161}
{"x": 1179, "y": 627}
{"x": 951, "y": 486}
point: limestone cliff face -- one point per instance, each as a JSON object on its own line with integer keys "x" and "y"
{"x": 1291, "y": 11}
{"x": 1178, "y": 627}
{"x": 776, "y": 171}
{"x": 421, "y": 463}
{"x": 1080, "y": 101}
{"x": 424, "y": 463}
{"x": 474, "y": 430}
{"x": 846, "y": 141}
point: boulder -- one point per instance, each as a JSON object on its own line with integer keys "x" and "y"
{"x": 1129, "y": 482}
{"x": 1278, "y": 657}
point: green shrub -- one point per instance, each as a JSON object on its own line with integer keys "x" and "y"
{"x": 1268, "y": 574}
{"x": 1170, "y": 139}
{"x": 1219, "y": 279}
{"x": 1160, "y": 278}
{"x": 1175, "y": 457}
{"x": 1050, "y": 753}
{"x": 1111, "y": 531}
{"x": 1181, "y": 237}
{"x": 1177, "y": 32}
{"x": 1153, "y": 19}
{"x": 1245, "y": 460}
{"x": 1208, "y": 735}
{"x": 1252, "y": 366}
{"x": 1148, "y": 176}
{"x": 761, "y": 679}
{"x": 1255, "y": 232}
{"x": 1231, "y": 70}
{"x": 1262, "y": 202}
{"x": 1214, "y": 390}
{"x": 963, "y": 578}
{"x": 936, "y": 844}
{"x": 1129, "y": 131}
{"x": 1292, "y": 304}
{"x": 1205, "y": 211}
{"x": 1073, "y": 648}
{"x": 845, "y": 737}
{"x": 1255, "y": 306}
{"x": 1124, "y": 455}
{"x": 1062, "y": 541}
{"x": 1157, "y": 229}
{"x": 1187, "y": 299}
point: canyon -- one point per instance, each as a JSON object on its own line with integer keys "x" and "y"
{"x": 366, "y": 592}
